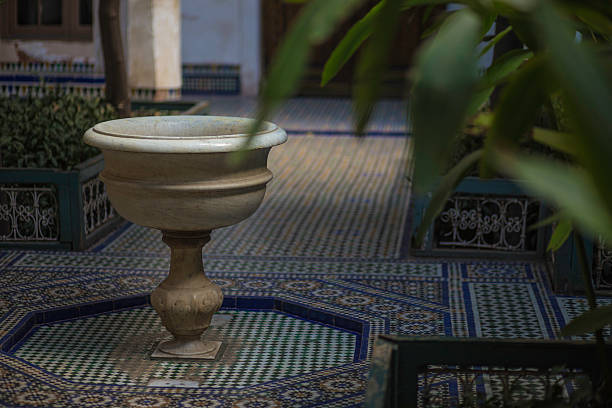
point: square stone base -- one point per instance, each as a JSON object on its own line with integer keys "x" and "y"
{"x": 212, "y": 355}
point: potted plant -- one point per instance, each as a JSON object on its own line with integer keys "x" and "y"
{"x": 50, "y": 194}
{"x": 567, "y": 54}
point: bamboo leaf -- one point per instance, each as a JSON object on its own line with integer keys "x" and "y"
{"x": 373, "y": 61}
{"x": 317, "y": 20}
{"x": 345, "y": 49}
{"x": 589, "y": 322}
{"x": 478, "y": 100}
{"x": 560, "y": 234}
{"x": 444, "y": 78}
{"x": 438, "y": 22}
{"x": 358, "y": 34}
{"x": 546, "y": 221}
{"x": 570, "y": 189}
{"x": 495, "y": 40}
{"x": 596, "y": 21}
{"x": 488, "y": 19}
{"x": 517, "y": 109}
{"x": 498, "y": 72}
{"x": 443, "y": 192}
{"x": 588, "y": 88}
{"x": 561, "y": 141}
{"x": 504, "y": 66}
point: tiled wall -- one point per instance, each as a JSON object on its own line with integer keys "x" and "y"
{"x": 40, "y": 78}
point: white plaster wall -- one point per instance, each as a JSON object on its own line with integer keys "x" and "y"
{"x": 211, "y": 31}
{"x": 223, "y": 32}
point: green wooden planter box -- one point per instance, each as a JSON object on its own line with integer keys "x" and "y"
{"x": 485, "y": 219}
{"x": 398, "y": 361}
{"x": 564, "y": 270}
{"x": 68, "y": 210}
{"x": 54, "y": 209}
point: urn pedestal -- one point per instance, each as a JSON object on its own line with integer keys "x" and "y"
{"x": 177, "y": 174}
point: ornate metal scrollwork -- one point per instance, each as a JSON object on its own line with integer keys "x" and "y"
{"x": 602, "y": 266}
{"x": 487, "y": 222}
{"x": 28, "y": 213}
{"x": 482, "y": 386}
{"x": 97, "y": 208}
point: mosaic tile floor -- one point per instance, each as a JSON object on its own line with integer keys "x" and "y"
{"x": 327, "y": 246}
{"x": 259, "y": 347}
{"x": 327, "y": 116}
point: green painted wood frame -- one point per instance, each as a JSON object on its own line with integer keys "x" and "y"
{"x": 68, "y": 186}
{"x": 69, "y": 197}
{"x": 564, "y": 268}
{"x": 397, "y": 361}
{"x": 475, "y": 185}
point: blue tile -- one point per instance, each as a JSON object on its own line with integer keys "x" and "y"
{"x": 278, "y": 305}
{"x": 8, "y": 344}
{"x": 261, "y": 303}
{"x": 55, "y": 315}
{"x": 39, "y": 317}
{"x": 348, "y": 324}
{"x": 95, "y": 308}
{"x": 364, "y": 348}
{"x": 22, "y": 330}
{"x": 229, "y": 302}
{"x": 295, "y": 309}
{"x": 125, "y": 303}
{"x": 321, "y": 317}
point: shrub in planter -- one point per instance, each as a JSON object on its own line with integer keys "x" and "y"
{"x": 446, "y": 89}
{"x": 485, "y": 217}
{"x": 46, "y": 132}
{"x": 50, "y": 196}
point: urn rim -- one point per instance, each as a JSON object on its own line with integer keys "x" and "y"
{"x": 182, "y": 134}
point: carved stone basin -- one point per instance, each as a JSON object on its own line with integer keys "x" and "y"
{"x": 179, "y": 174}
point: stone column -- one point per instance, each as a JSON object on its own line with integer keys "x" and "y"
{"x": 154, "y": 44}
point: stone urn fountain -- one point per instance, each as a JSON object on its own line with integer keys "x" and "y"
{"x": 176, "y": 174}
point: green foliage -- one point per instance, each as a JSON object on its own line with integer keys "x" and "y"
{"x": 589, "y": 321}
{"x": 315, "y": 24}
{"x": 359, "y": 33}
{"x": 445, "y": 77}
{"x": 560, "y": 234}
{"x": 474, "y": 139}
{"x": 495, "y": 40}
{"x": 444, "y": 190}
{"x": 555, "y": 73}
{"x": 47, "y": 132}
{"x": 559, "y": 141}
{"x": 517, "y": 110}
{"x": 349, "y": 44}
{"x": 373, "y": 62}
{"x": 568, "y": 187}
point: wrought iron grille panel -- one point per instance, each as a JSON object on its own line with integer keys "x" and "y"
{"x": 452, "y": 386}
{"x": 97, "y": 209}
{"x": 28, "y": 213}
{"x": 602, "y": 266}
{"x": 488, "y": 223}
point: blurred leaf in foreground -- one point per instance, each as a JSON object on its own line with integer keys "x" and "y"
{"x": 373, "y": 62}
{"x": 444, "y": 78}
{"x": 569, "y": 188}
{"x": 316, "y": 22}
